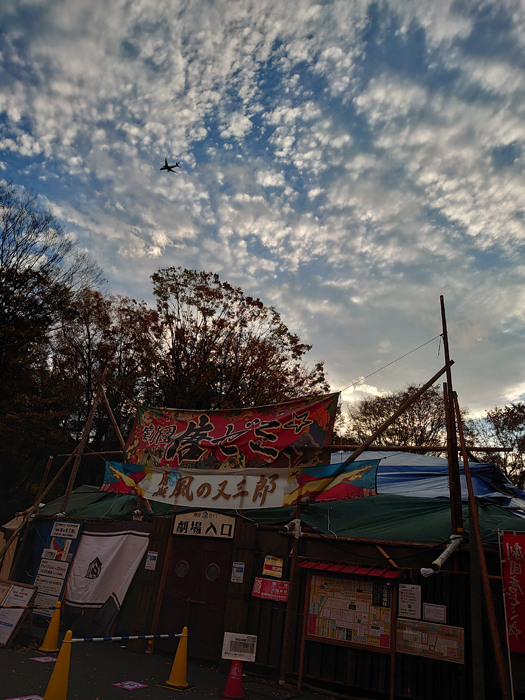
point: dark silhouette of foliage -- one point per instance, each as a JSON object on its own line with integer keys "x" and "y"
{"x": 423, "y": 423}
{"x": 505, "y": 427}
{"x": 41, "y": 273}
{"x": 220, "y": 348}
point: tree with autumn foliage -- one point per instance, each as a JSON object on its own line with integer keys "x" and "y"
{"x": 504, "y": 426}
{"x": 222, "y": 348}
{"x": 113, "y": 333}
{"x": 423, "y": 423}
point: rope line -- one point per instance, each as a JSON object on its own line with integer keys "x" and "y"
{"x": 391, "y": 363}
{"x": 123, "y": 639}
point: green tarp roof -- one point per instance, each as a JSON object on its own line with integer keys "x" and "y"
{"x": 382, "y": 517}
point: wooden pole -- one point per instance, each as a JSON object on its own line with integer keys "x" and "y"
{"x": 454, "y": 482}
{"x": 291, "y": 607}
{"x": 399, "y": 411}
{"x": 82, "y": 445}
{"x": 401, "y": 448}
{"x": 475, "y": 530}
{"x": 38, "y": 496}
{"x": 112, "y": 418}
{"x": 31, "y": 510}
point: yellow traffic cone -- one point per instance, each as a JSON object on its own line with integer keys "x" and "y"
{"x": 177, "y": 679}
{"x": 50, "y": 643}
{"x": 57, "y": 686}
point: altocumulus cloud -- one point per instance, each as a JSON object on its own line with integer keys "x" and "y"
{"x": 346, "y": 161}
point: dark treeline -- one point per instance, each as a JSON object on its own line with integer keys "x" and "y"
{"x": 205, "y": 345}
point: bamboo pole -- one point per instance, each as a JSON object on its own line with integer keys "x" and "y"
{"x": 82, "y": 445}
{"x": 454, "y": 482}
{"x": 38, "y": 496}
{"x": 112, "y": 418}
{"x": 291, "y": 606}
{"x": 29, "y": 512}
{"x": 475, "y": 529}
{"x": 410, "y": 448}
{"x": 399, "y": 411}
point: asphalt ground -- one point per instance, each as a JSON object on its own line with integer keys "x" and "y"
{"x": 96, "y": 666}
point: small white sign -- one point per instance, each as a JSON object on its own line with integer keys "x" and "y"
{"x": 237, "y": 572}
{"x": 204, "y": 523}
{"x": 51, "y": 586}
{"x": 50, "y": 567}
{"x": 151, "y": 561}
{"x": 409, "y": 601}
{"x": 239, "y": 647}
{"x": 435, "y": 613}
{"x": 68, "y": 530}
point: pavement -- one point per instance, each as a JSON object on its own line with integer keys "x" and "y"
{"x": 96, "y": 666}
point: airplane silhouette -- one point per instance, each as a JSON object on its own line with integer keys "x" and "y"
{"x": 169, "y": 168}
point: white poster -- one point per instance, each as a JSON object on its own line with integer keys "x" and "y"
{"x": 48, "y": 585}
{"x": 18, "y": 595}
{"x": 409, "y": 601}
{"x": 53, "y": 568}
{"x": 67, "y": 530}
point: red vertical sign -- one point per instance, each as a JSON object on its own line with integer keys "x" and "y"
{"x": 513, "y": 552}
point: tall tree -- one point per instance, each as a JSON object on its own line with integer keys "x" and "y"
{"x": 423, "y": 423}
{"x": 221, "y": 348}
{"x": 41, "y": 272}
{"x": 106, "y": 332}
{"x": 505, "y": 427}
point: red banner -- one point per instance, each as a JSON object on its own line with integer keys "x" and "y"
{"x": 285, "y": 435}
{"x": 513, "y": 552}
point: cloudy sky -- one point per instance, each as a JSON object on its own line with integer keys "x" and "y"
{"x": 347, "y": 161}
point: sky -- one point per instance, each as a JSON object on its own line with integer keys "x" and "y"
{"x": 348, "y": 162}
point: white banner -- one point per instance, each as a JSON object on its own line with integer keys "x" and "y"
{"x": 215, "y": 489}
{"x": 105, "y": 563}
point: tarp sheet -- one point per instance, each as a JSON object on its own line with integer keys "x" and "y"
{"x": 388, "y": 517}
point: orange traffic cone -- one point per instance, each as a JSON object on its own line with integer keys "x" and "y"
{"x": 57, "y": 686}
{"x": 177, "y": 679}
{"x": 50, "y": 643}
{"x": 234, "y": 689}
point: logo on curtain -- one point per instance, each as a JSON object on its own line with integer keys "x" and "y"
{"x": 94, "y": 569}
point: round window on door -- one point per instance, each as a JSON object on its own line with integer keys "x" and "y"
{"x": 212, "y": 572}
{"x": 182, "y": 568}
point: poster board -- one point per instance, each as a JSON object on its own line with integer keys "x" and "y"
{"x": 60, "y": 543}
{"x": 353, "y": 611}
{"x": 15, "y": 594}
{"x": 350, "y": 610}
{"x": 431, "y": 640}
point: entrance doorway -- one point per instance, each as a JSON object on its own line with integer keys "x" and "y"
{"x": 195, "y": 595}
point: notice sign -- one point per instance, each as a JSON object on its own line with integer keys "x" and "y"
{"x": 434, "y": 613}
{"x": 350, "y": 610}
{"x": 204, "y": 523}
{"x": 273, "y": 566}
{"x": 271, "y": 590}
{"x": 513, "y": 552}
{"x": 409, "y": 601}
{"x": 239, "y": 647}
{"x": 237, "y": 572}
{"x": 9, "y": 618}
{"x": 432, "y": 641}
{"x": 151, "y": 561}
{"x": 66, "y": 530}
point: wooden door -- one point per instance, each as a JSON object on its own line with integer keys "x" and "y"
{"x": 195, "y": 595}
